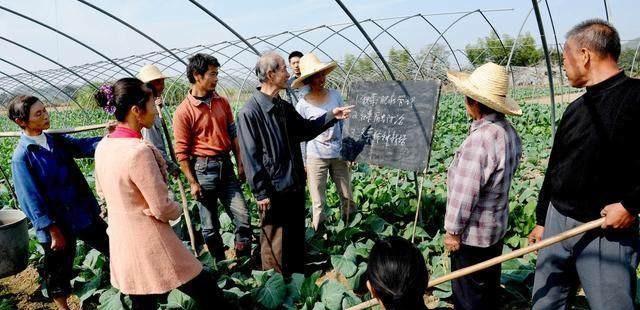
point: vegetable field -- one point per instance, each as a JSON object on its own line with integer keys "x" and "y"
{"x": 337, "y": 255}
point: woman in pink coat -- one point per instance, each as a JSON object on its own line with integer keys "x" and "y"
{"x": 147, "y": 258}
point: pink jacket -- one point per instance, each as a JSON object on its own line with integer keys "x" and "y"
{"x": 146, "y": 256}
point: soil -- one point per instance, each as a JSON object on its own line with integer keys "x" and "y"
{"x": 333, "y": 275}
{"x": 23, "y": 292}
{"x": 564, "y": 98}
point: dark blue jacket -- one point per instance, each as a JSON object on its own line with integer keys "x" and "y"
{"x": 269, "y": 134}
{"x": 50, "y": 187}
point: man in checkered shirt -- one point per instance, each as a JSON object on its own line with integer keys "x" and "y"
{"x": 478, "y": 184}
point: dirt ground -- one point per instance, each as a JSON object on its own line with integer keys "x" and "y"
{"x": 23, "y": 292}
{"x": 565, "y": 98}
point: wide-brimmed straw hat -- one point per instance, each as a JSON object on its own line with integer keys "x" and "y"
{"x": 310, "y": 65}
{"x": 489, "y": 85}
{"x": 149, "y": 73}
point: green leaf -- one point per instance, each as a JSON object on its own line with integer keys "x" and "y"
{"x": 237, "y": 292}
{"x": 309, "y": 290}
{"x": 363, "y": 249}
{"x": 180, "y": 300}
{"x": 515, "y": 270}
{"x": 229, "y": 240}
{"x": 350, "y": 300}
{"x": 331, "y": 294}
{"x": 225, "y": 222}
{"x": 272, "y": 294}
{"x": 344, "y": 265}
{"x": 294, "y": 287}
{"x": 354, "y": 282}
{"x": 110, "y": 300}
{"x": 261, "y": 276}
{"x": 87, "y": 289}
{"x": 93, "y": 261}
{"x": 5, "y": 304}
{"x": 350, "y": 252}
{"x": 442, "y": 293}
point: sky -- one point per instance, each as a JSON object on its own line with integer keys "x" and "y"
{"x": 179, "y": 23}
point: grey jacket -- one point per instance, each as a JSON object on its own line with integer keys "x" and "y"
{"x": 269, "y": 134}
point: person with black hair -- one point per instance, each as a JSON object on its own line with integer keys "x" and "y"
{"x": 295, "y": 94}
{"x": 270, "y": 131}
{"x": 321, "y": 155}
{"x": 397, "y": 274}
{"x": 592, "y": 173}
{"x": 155, "y": 80}
{"x": 54, "y": 194}
{"x": 205, "y": 134}
{"x": 147, "y": 258}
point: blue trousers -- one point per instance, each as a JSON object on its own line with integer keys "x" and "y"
{"x": 219, "y": 182}
{"x": 603, "y": 262}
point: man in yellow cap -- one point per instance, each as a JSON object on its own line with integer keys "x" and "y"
{"x": 478, "y": 184}
{"x": 153, "y": 77}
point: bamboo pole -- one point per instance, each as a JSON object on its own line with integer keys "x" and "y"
{"x": 502, "y": 258}
{"x": 8, "y": 134}
{"x": 183, "y": 195}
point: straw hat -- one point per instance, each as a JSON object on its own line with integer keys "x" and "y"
{"x": 310, "y": 65}
{"x": 488, "y": 84}
{"x": 149, "y": 73}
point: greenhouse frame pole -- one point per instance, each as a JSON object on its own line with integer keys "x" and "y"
{"x": 133, "y": 28}
{"x": 366, "y": 36}
{"x": 66, "y": 36}
{"x": 226, "y": 26}
{"x": 49, "y": 59}
{"x": 547, "y": 58}
{"x": 415, "y": 174}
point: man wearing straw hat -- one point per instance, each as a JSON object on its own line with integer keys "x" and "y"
{"x": 151, "y": 75}
{"x": 270, "y": 131}
{"x": 593, "y": 172}
{"x": 478, "y": 184}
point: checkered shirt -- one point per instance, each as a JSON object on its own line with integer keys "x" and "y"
{"x": 478, "y": 182}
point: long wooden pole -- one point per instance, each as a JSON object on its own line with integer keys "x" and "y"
{"x": 183, "y": 195}
{"x": 502, "y": 258}
{"x": 9, "y": 134}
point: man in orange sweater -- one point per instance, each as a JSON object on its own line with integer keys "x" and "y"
{"x": 205, "y": 134}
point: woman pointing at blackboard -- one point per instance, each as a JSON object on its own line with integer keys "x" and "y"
{"x": 322, "y": 154}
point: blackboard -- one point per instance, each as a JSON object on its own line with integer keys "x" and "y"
{"x": 398, "y": 117}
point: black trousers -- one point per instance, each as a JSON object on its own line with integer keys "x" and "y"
{"x": 57, "y": 269}
{"x": 479, "y": 290}
{"x": 282, "y": 235}
{"x": 203, "y": 289}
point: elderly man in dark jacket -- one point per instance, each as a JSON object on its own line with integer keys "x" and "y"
{"x": 270, "y": 131}
{"x": 593, "y": 172}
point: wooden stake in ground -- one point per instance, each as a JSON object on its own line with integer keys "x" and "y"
{"x": 415, "y": 220}
{"x": 502, "y": 258}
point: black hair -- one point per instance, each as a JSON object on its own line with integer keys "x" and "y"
{"x": 295, "y": 54}
{"x": 199, "y": 64}
{"x": 154, "y": 91}
{"x": 484, "y": 109}
{"x": 398, "y": 274}
{"x": 597, "y": 35}
{"x": 126, "y": 93}
{"x": 19, "y": 108}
